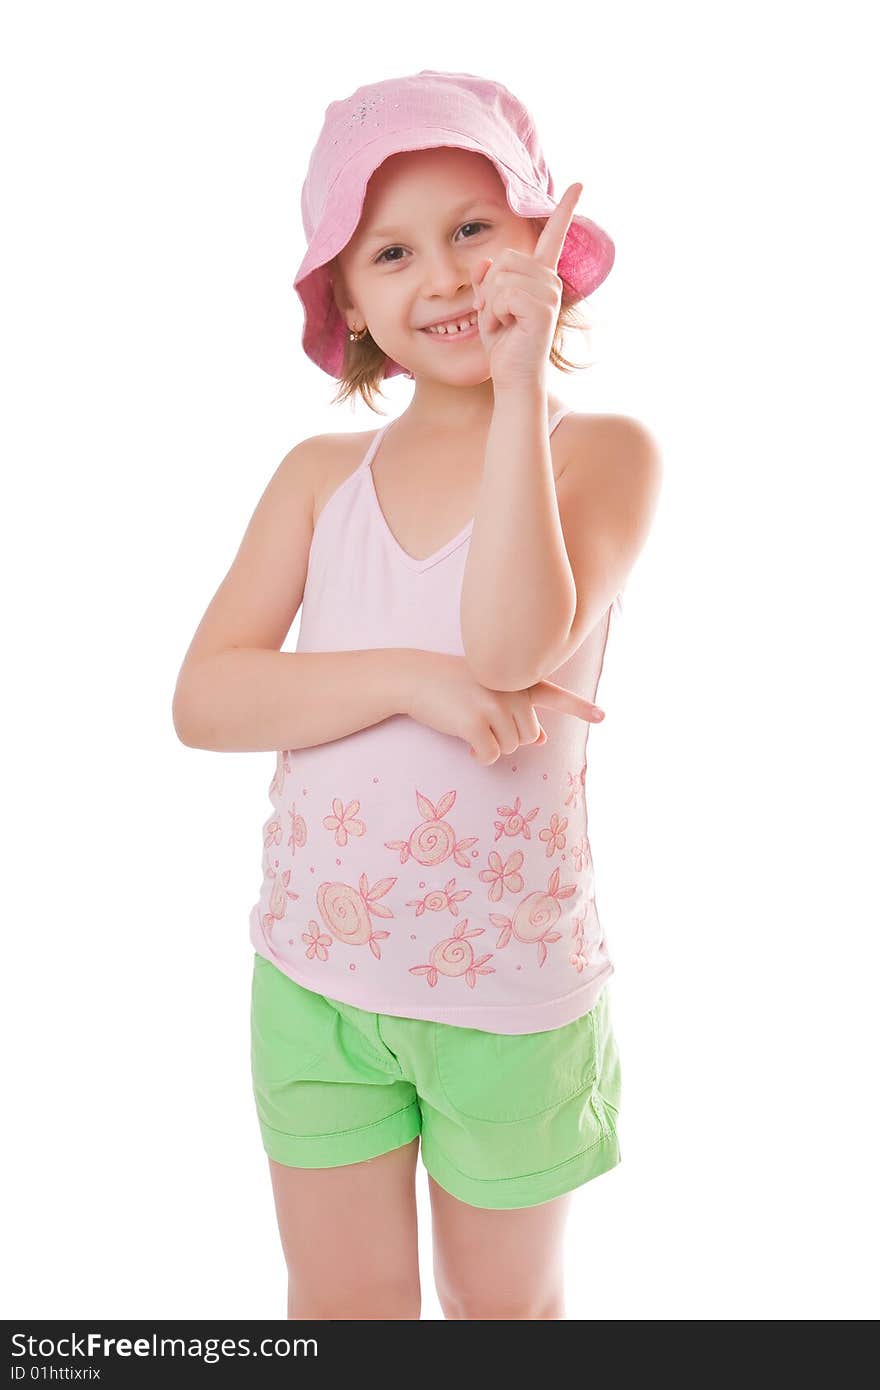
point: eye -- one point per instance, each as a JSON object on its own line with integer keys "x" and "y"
{"x": 380, "y": 259}
{"x": 475, "y": 224}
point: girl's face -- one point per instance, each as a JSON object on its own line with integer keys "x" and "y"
{"x": 429, "y": 216}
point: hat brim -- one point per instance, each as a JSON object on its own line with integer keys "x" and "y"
{"x": 586, "y": 258}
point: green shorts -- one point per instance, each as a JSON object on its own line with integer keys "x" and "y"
{"x": 506, "y": 1120}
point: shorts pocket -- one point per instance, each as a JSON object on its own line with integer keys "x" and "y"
{"x": 514, "y": 1076}
{"x": 291, "y": 1026}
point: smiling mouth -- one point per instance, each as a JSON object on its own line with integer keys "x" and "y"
{"x": 462, "y": 327}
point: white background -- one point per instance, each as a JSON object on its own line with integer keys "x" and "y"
{"x": 154, "y": 378}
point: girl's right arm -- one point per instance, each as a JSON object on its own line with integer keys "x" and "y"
{"x": 252, "y": 700}
{"x": 236, "y": 690}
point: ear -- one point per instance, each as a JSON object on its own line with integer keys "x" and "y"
{"x": 341, "y": 297}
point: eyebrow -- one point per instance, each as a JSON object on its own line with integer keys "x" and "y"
{"x": 380, "y": 233}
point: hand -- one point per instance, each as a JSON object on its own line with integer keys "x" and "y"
{"x": 517, "y": 298}
{"x": 442, "y": 693}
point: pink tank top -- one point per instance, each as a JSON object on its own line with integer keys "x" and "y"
{"x": 400, "y": 875}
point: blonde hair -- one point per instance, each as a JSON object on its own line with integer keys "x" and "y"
{"x": 363, "y": 366}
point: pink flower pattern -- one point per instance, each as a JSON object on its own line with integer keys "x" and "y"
{"x": 297, "y": 834}
{"x": 439, "y": 899}
{"x": 454, "y": 958}
{"x": 342, "y": 820}
{"x": 318, "y": 942}
{"x": 514, "y": 821}
{"x": 578, "y": 957}
{"x": 576, "y": 785}
{"x": 279, "y": 896}
{"x": 346, "y": 912}
{"x": 554, "y": 834}
{"x": 535, "y": 918}
{"x": 503, "y": 874}
{"x": 433, "y": 840}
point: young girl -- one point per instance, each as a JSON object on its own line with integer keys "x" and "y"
{"x": 429, "y": 966}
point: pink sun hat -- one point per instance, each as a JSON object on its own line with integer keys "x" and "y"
{"x": 419, "y": 112}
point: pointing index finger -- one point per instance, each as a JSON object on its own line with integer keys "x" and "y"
{"x": 553, "y": 696}
{"x": 552, "y": 239}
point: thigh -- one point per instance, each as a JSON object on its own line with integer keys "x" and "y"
{"x": 350, "y": 1236}
{"x": 326, "y": 1094}
{"x": 491, "y": 1264}
{"x": 516, "y": 1120}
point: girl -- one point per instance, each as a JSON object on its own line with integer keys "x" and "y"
{"x": 429, "y": 967}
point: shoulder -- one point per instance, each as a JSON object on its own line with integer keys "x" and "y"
{"x": 617, "y": 448}
{"x": 322, "y": 462}
{"x": 607, "y": 498}
{"x": 320, "y": 451}
{"x": 609, "y": 488}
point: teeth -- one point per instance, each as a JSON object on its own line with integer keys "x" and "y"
{"x": 452, "y": 327}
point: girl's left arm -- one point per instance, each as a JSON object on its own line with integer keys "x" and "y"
{"x": 546, "y": 560}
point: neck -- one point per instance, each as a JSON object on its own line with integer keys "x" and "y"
{"x": 452, "y": 409}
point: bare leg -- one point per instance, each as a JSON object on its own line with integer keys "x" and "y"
{"x": 350, "y": 1237}
{"x": 498, "y": 1265}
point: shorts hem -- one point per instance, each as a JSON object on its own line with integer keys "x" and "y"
{"x": 527, "y": 1189}
{"x": 347, "y": 1146}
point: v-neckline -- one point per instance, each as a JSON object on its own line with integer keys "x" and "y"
{"x": 411, "y": 561}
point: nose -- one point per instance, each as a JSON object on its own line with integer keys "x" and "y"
{"x": 446, "y": 273}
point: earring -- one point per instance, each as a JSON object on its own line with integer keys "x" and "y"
{"x": 359, "y": 335}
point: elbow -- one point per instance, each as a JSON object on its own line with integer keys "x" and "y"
{"x": 497, "y": 674}
{"x": 181, "y": 724}
{"x": 519, "y": 662}
{"x": 182, "y": 714}
{"x": 515, "y": 668}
